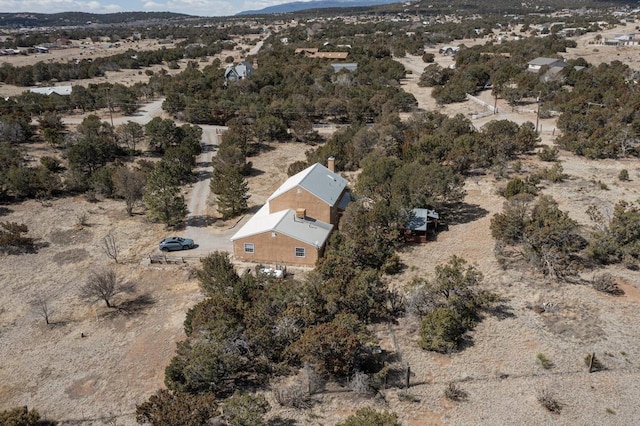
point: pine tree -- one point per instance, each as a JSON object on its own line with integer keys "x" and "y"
{"x": 162, "y": 196}
{"x": 233, "y": 192}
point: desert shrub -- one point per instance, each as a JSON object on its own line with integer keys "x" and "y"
{"x": 177, "y": 409}
{"x": 449, "y": 304}
{"x": 428, "y": 58}
{"x": 620, "y": 240}
{"x": 518, "y": 186}
{"x": 552, "y": 174}
{"x": 22, "y": 416}
{"x": 623, "y": 175}
{"x": 547, "y": 236}
{"x": 50, "y": 163}
{"x": 370, "y": 417}
{"x": 13, "y": 240}
{"x": 606, "y": 284}
{"x": 454, "y": 392}
{"x": 593, "y": 363}
{"x": 441, "y": 330}
{"x": 548, "y": 401}
{"x": 544, "y": 362}
{"x": 548, "y": 154}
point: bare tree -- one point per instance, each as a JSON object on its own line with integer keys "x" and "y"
{"x": 110, "y": 246}
{"x": 42, "y": 307}
{"x": 129, "y": 184}
{"x": 101, "y": 285}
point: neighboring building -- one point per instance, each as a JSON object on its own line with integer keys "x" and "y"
{"x": 238, "y": 72}
{"x": 296, "y": 221}
{"x": 449, "y": 50}
{"x": 58, "y": 90}
{"x": 349, "y": 66}
{"x": 422, "y": 223}
{"x": 312, "y": 52}
{"x": 538, "y": 63}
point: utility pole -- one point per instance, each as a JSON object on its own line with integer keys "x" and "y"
{"x": 538, "y": 112}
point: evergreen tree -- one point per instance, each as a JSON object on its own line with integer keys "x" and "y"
{"x": 162, "y": 196}
{"x": 233, "y": 192}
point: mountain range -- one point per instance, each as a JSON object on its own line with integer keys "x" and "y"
{"x": 314, "y": 4}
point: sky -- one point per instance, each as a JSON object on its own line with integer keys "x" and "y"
{"x": 190, "y": 7}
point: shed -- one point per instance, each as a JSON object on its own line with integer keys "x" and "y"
{"x": 421, "y": 223}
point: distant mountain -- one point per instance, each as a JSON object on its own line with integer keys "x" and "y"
{"x": 315, "y": 4}
{"x": 74, "y": 19}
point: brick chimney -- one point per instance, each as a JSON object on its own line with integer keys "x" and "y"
{"x": 331, "y": 163}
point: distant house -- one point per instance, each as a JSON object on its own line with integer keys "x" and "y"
{"x": 539, "y": 62}
{"x": 313, "y": 52}
{"x": 238, "y": 72}
{"x": 421, "y": 223}
{"x": 349, "y": 66}
{"x": 58, "y": 90}
{"x": 449, "y": 50}
{"x": 295, "y": 223}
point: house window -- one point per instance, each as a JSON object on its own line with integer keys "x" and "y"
{"x": 301, "y": 252}
{"x": 249, "y": 248}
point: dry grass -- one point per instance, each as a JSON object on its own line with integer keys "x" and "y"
{"x": 121, "y": 360}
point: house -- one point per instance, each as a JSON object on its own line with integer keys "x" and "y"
{"x": 349, "y": 66}
{"x": 449, "y": 50}
{"x": 296, "y": 221}
{"x": 539, "y": 62}
{"x": 313, "y": 52}
{"x": 420, "y": 224}
{"x": 58, "y": 90}
{"x": 238, "y": 72}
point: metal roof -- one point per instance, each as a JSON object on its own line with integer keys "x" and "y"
{"x": 419, "y": 219}
{"x": 541, "y": 61}
{"x": 60, "y": 90}
{"x": 318, "y": 180}
{"x": 312, "y": 232}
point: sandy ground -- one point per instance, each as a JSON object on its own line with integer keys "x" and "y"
{"x": 99, "y": 378}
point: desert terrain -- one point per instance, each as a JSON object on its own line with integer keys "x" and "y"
{"x": 93, "y": 364}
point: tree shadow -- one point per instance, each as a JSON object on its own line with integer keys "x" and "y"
{"x": 203, "y": 163}
{"x": 5, "y": 211}
{"x": 201, "y": 221}
{"x": 461, "y": 213}
{"x": 135, "y": 306}
{"x": 501, "y": 311}
{"x": 203, "y": 175}
{"x": 255, "y": 172}
{"x": 279, "y": 421}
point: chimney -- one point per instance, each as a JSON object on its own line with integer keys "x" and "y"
{"x": 331, "y": 163}
{"x": 301, "y": 213}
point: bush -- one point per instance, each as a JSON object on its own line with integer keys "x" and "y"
{"x": 12, "y": 240}
{"x": 548, "y": 154}
{"x": 593, "y": 363}
{"x": 606, "y": 284}
{"x": 518, "y": 186}
{"x": 545, "y": 362}
{"x": 441, "y": 330}
{"x": 623, "y": 175}
{"x": 369, "y": 417}
{"x": 549, "y": 402}
{"x": 454, "y": 392}
{"x": 428, "y": 58}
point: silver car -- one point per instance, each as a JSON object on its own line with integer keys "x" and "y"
{"x": 176, "y": 243}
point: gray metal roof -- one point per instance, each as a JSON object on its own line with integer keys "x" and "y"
{"x": 419, "y": 219}
{"x": 541, "y": 61}
{"x": 318, "y": 180}
{"x": 349, "y": 66}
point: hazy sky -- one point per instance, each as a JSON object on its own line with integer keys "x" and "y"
{"x": 191, "y": 7}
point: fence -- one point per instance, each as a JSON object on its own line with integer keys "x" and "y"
{"x": 490, "y": 108}
{"x": 163, "y": 258}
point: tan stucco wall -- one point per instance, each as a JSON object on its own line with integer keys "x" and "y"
{"x": 275, "y": 249}
{"x": 301, "y": 198}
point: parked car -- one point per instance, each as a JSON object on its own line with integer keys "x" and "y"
{"x": 176, "y": 243}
